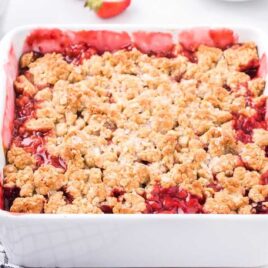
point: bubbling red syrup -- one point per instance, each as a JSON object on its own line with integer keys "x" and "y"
{"x": 32, "y": 141}
{"x": 260, "y": 208}
{"x": 244, "y": 125}
{"x": 10, "y": 194}
{"x": 190, "y": 55}
{"x": 116, "y": 192}
{"x": 68, "y": 197}
{"x": 106, "y": 209}
{"x": 172, "y": 200}
{"x": 251, "y": 68}
{"x": 25, "y": 109}
{"x": 78, "y": 52}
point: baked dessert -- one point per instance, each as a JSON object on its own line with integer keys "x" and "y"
{"x": 134, "y": 132}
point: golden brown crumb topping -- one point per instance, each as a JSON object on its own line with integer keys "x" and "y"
{"x": 108, "y": 130}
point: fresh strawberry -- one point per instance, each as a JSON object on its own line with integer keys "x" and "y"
{"x": 107, "y": 8}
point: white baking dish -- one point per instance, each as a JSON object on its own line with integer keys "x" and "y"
{"x": 127, "y": 240}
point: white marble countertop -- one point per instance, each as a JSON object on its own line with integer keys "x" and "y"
{"x": 181, "y": 12}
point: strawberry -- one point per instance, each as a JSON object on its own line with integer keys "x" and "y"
{"x": 160, "y": 44}
{"x": 223, "y": 38}
{"x": 107, "y": 8}
{"x": 192, "y": 38}
{"x": 104, "y": 40}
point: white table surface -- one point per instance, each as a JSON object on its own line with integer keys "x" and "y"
{"x": 202, "y": 12}
{"x": 181, "y": 12}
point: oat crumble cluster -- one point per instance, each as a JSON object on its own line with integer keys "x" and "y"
{"x": 127, "y": 132}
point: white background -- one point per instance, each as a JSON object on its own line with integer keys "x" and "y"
{"x": 203, "y": 12}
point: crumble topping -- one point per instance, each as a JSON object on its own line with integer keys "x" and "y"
{"x": 127, "y": 132}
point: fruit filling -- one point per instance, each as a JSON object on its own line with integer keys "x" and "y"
{"x": 172, "y": 200}
{"x": 108, "y": 123}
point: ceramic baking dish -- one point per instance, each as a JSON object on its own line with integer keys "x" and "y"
{"x": 124, "y": 240}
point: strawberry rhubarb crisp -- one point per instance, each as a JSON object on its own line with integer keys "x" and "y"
{"x": 129, "y": 131}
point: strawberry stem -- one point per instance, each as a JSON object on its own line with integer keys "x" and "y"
{"x": 94, "y": 4}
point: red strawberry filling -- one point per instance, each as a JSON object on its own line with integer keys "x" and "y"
{"x": 251, "y": 68}
{"x": 116, "y": 192}
{"x": 54, "y": 40}
{"x": 172, "y": 200}
{"x": 106, "y": 209}
{"x": 78, "y": 46}
{"x": 260, "y": 208}
{"x": 77, "y": 53}
{"x": 10, "y": 194}
{"x": 47, "y": 40}
{"x": 244, "y": 126}
{"x": 160, "y": 44}
{"x": 152, "y": 43}
{"x": 221, "y": 38}
{"x": 32, "y": 142}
